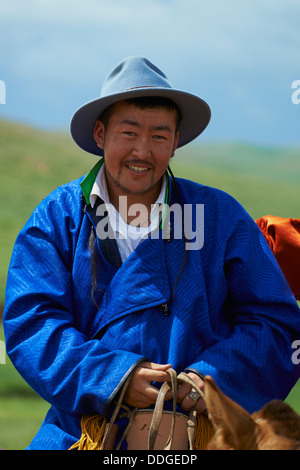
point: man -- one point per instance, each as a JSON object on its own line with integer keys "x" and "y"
{"x": 95, "y": 296}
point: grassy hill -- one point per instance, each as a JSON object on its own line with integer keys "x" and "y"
{"x": 33, "y": 163}
{"x": 264, "y": 180}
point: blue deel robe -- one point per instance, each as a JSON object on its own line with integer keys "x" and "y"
{"x": 232, "y": 314}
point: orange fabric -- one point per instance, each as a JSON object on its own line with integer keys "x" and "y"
{"x": 283, "y": 237}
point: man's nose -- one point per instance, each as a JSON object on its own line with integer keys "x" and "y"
{"x": 142, "y": 148}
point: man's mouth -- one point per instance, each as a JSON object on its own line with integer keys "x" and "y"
{"x": 138, "y": 169}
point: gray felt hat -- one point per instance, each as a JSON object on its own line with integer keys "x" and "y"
{"x": 137, "y": 77}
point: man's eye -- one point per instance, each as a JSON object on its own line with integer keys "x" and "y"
{"x": 130, "y": 133}
{"x": 159, "y": 137}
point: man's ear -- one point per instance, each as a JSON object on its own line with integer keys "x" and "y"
{"x": 233, "y": 425}
{"x": 99, "y": 132}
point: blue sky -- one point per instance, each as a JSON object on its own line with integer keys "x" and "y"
{"x": 242, "y": 57}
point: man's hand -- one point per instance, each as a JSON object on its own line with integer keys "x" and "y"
{"x": 141, "y": 393}
{"x": 186, "y": 402}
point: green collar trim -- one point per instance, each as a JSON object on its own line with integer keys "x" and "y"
{"x": 88, "y": 182}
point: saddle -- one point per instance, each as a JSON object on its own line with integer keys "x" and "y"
{"x": 149, "y": 429}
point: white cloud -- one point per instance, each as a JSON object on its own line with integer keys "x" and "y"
{"x": 90, "y": 11}
{"x": 217, "y": 33}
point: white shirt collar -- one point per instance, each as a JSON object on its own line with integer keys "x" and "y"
{"x": 99, "y": 189}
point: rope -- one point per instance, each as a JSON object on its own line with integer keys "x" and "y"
{"x": 158, "y": 411}
{"x": 95, "y": 430}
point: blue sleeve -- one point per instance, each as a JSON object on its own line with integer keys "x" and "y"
{"x": 66, "y": 368}
{"x": 264, "y": 319}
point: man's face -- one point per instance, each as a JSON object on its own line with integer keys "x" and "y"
{"x": 138, "y": 144}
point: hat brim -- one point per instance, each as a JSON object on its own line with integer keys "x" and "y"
{"x": 195, "y": 115}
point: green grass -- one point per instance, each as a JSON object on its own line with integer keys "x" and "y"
{"x": 20, "y": 419}
{"x": 33, "y": 163}
{"x": 264, "y": 180}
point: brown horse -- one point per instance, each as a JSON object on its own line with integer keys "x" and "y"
{"x": 275, "y": 427}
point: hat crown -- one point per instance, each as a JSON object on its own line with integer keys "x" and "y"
{"x": 133, "y": 73}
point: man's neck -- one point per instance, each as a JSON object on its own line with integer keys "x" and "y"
{"x": 129, "y": 204}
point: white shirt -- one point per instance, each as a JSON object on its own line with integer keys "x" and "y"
{"x": 127, "y": 236}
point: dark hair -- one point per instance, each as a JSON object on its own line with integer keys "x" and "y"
{"x": 145, "y": 102}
